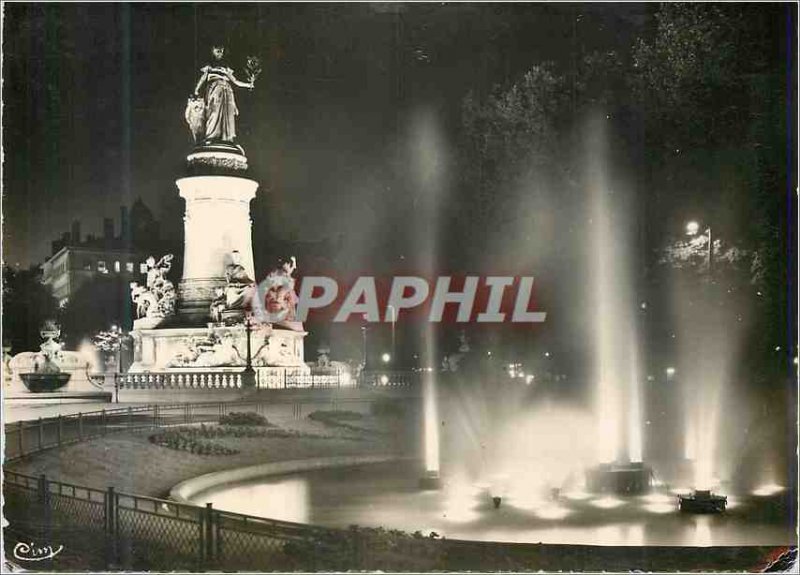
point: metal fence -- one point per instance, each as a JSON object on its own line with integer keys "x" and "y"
{"x": 26, "y": 438}
{"x": 111, "y": 530}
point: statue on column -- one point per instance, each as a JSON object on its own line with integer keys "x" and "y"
{"x": 211, "y": 111}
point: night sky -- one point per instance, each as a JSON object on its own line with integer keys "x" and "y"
{"x": 94, "y": 98}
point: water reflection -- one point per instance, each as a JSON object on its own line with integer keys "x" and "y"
{"x": 386, "y": 495}
{"x": 284, "y": 498}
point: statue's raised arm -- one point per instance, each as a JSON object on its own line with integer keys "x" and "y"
{"x": 211, "y": 111}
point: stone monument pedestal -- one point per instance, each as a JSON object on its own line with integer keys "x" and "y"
{"x": 216, "y": 224}
{"x": 215, "y": 348}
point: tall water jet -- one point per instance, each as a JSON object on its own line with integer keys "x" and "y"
{"x": 428, "y": 163}
{"x": 709, "y": 330}
{"x": 617, "y": 397}
{"x": 431, "y": 477}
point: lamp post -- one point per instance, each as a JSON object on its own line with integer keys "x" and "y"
{"x": 116, "y": 332}
{"x": 248, "y": 373}
{"x": 692, "y": 228}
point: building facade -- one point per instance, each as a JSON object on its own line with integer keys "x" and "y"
{"x": 76, "y": 261}
{"x": 74, "y": 266}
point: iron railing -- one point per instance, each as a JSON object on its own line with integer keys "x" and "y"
{"x": 25, "y": 438}
{"x": 265, "y": 378}
{"x": 112, "y": 530}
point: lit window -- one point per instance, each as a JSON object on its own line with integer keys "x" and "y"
{"x": 129, "y": 267}
{"x": 116, "y": 267}
{"x": 101, "y": 267}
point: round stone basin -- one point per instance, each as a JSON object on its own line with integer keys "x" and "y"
{"x": 388, "y": 495}
{"x": 45, "y": 382}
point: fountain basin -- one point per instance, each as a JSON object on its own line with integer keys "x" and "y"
{"x": 45, "y": 382}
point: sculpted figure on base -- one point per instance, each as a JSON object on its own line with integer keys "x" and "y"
{"x": 157, "y": 300}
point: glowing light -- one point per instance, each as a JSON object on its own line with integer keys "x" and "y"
{"x": 607, "y": 502}
{"x": 768, "y": 489}
{"x": 528, "y": 379}
{"x": 692, "y": 228}
{"x": 660, "y": 508}
{"x": 460, "y": 503}
{"x": 552, "y": 512}
{"x": 384, "y": 380}
{"x": 658, "y": 498}
{"x": 702, "y": 533}
{"x": 386, "y": 358}
{"x": 670, "y": 371}
{"x": 681, "y": 491}
{"x": 577, "y": 495}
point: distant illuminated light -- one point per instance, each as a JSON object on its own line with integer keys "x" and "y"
{"x": 385, "y": 380}
{"x": 386, "y": 358}
{"x": 670, "y": 371}
{"x": 692, "y": 228}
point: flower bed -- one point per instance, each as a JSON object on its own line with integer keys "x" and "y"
{"x": 180, "y": 440}
{"x": 244, "y": 418}
{"x": 196, "y": 439}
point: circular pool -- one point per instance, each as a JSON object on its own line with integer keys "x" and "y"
{"x": 386, "y": 495}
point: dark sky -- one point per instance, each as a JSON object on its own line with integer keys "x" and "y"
{"x": 94, "y": 97}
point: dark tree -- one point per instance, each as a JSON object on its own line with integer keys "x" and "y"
{"x": 712, "y": 87}
{"x": 27, "y": 303}
{"x": 94, "y": 307}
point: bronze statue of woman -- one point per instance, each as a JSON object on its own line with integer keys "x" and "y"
{"x": 216, "y": 86}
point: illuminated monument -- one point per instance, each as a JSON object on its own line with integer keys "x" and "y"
{"x": 202, "y": 323}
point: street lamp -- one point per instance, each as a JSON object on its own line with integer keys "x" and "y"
{"x": 248, "y": 373}
{"x": 692, "y": 229}
{"x": 386, "y": 358}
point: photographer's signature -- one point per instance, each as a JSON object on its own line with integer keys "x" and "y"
{"x": 33, "y": 552}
